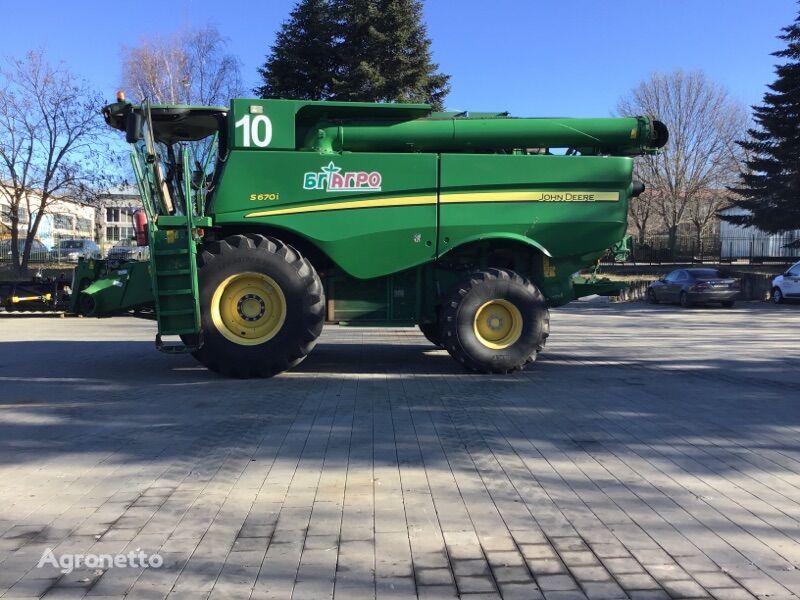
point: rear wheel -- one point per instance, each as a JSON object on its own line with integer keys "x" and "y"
{"x": 495, "y": 322}
{"x": 651, "y": 297}
{"x": 262, "y": 306}
{"x": 777, "y": 295}
{"x": 685, "y": 302}
{"x": 432, "y": 332}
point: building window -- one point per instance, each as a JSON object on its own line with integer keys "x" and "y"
{"x": 84, "y": 224}
{"x": 112, "y": 234}
{"x": 112, "y": 214}
{"x": 62, "y": 221}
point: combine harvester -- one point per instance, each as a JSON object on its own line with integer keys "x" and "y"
{"x": 303, "y": 213}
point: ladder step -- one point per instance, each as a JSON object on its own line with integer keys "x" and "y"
{"x": 182, "y": 292}
{"x": 172, "y": 252}
{"x": 173, "y": 272}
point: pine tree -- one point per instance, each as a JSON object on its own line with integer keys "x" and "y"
{"x": 357, "y": 50}
{"x": 770, "y": 187}
{"x": 301, "y": 62}
{"x": 384, "y": 54}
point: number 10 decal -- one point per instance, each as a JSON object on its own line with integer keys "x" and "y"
{"x": 256, "y": 129}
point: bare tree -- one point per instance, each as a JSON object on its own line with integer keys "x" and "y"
{"x": 53, "y": 144}
{"x": 701, "y": 156}
{"x": 641, "y": 210}
{"x": 190, "y": 67}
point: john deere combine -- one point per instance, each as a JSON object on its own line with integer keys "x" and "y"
{"x": 268, "y": 218}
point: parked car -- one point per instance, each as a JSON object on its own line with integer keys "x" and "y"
{"x": 72, "y": 250}
{"x": 694, "y": 286}
{"x": 786, "y": 286}
{"x": 128, "y": 250}
{"x": 38, "y": 250}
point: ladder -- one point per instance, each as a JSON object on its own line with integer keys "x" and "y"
{"x": 173, "y": 266}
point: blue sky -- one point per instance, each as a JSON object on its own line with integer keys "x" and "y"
{"x": 534, "y": 58}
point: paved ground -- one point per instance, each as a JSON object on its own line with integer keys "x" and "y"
{"x": 651, "y": 453}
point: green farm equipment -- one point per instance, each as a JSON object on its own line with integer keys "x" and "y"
{"x": 268, "y": 218}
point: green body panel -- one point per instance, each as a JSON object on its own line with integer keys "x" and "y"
{"x": 258, "y": 188}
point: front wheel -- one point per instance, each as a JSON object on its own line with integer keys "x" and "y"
{"x": 651, "y": 297}
{"x": 495, "y": 322}
{"x": 685, "y": 302}
{"x": 777, "y": 295}
{"x": 262, "y": 306}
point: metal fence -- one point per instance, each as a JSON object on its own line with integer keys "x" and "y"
{"x": 656, "y": 249}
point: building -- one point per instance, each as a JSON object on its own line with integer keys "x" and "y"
{"x": 113, "y": 218}
{"x": 63, "y": 219}
{"x": 737, "y": 241}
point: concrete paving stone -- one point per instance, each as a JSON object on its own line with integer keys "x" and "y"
{"x": 636, "y": 581}
{"x": 437, "y": 592}
{"x": 667, "y": 572}
{"x": 622, "y": 565}
{"x": 684, "y": 589}
{"x": 603, "y": 591}
{"x": 590, "y": 574}
{"x": 505, "y": 559}
{"x": 579, "y": 559}
{"x": 550, "y": 583}
{"x": 470, "y": 568}
{"x": 649, "y": 595}
{"x": 715, "y": 579}
{"x": 569, "y": 544}
{"x": 435, "y": 577}
{"x": 730, "y": 594}
{"x": 546, "y": 566}
{"x": 564, "y": 595}
{"x": 470, "y": 585}
{"x": 537, "y": 551}
{"x": 520, "y": 591}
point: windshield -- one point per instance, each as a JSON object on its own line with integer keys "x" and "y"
{"x": 178, "y": 144}
{"x": 71, "y": 245}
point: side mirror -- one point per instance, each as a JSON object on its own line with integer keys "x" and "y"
{"x": 133, "y": 127}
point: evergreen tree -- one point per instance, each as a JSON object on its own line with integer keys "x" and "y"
{"x": 384, "y": 54}
{"x": 301, "y": 62}
{"x": 357, "y": 50}
{"x": 770, "y": 187}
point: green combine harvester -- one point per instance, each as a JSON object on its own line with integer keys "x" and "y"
{"x": 269, "y": 218}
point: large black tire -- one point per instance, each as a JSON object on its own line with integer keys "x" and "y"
{"x": 433, "y": 333}
{"x": 777, "y": 295}
{"x": 484, "y": 289}
{"x": 304, "y": 306}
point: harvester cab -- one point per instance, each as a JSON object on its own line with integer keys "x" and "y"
{"x": 271, "y": 217}
{"x": 174, "y": 154}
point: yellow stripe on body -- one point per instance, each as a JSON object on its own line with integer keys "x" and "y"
{"x": 376, "y": 203}
{"x": 548, "y": 196}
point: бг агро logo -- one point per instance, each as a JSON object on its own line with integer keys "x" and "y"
{"x": 332, "y": 179}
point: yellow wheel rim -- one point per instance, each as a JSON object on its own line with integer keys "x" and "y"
{"x": 248, "y": 308}
{"x": 498, "y": 324}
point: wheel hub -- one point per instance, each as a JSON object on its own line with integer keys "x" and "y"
{"x": 251, "y": 307}
{"x": 498, "y": 324}
{"x": 248, "y": 308}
